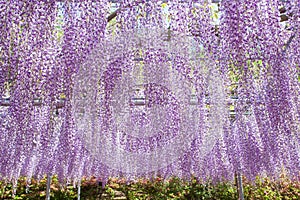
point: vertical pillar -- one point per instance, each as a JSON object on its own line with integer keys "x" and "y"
{"x": 48, "y": 187}
{"x": 79, "y": 188}
{"x": 239, "y": 183}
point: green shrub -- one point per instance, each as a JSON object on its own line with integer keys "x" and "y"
{"x": 156, "y": 189}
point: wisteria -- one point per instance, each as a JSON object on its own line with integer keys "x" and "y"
{"x": 159, "y": 88}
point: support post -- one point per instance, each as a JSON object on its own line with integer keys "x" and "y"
{"x": 78, "y": 190}
{"x": 14, "y": 188}
{"x": 48, "y": 187}
{"x": 239, "y": 184}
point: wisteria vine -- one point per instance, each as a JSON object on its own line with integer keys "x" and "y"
{"x": 186, "y": 88}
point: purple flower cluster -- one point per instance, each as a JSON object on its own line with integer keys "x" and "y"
{"x": 42, "y": 45}
{"x": 152, "y": 95}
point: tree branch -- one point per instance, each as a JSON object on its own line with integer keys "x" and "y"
{"x": 113, "y": 15}
{"x": 286, "y": 46}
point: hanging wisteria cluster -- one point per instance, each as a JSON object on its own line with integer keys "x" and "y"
{"x": 185, "y": 88}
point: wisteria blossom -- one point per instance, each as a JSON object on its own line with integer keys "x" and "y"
{"x": 151, "y": 88}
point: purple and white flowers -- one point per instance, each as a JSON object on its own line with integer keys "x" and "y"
{"x": 150, "y": 92}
